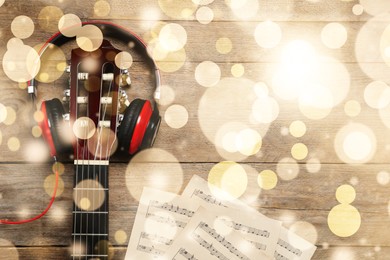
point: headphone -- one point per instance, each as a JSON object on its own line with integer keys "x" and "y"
{"x": 141, "y": 119}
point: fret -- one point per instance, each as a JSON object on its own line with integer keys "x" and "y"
{"x": 91, "y": 212}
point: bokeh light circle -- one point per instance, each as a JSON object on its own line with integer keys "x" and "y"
{"x": 173, "y": 37}
{"x": 207, "y": 74}
{"x": 53, "y": 63}
{"x": 357, "y": 9}
{"x": 224, "y": 45}
{"x": 69, "y": 24}
{"x": 383, "y": 178}
{"x": 35, "y": 151}
{"x": 22, "y": 26}
{"x": 11, "y": 116}
{"x": 120, "y": 237}
{"x": 299, "y": 151}
{"x": 313, "y": 165}
{"x": 14, "y": 43}
{"x": 297, "y": 128}
{"x": 49, "y": 184}
{"x": 344, "y": 220}
{"x": 352, "y": 108}
{"x": 345, "y": 194}
{"x": 21, "y": 64}
{"x": 49, "y": 17}
{"x": 3, "y": 113}
{"x": 375, "y": 8}
{"x": 176, "y": 116}
{"x": 334, "y": 35}
{"x": 101, "y": 8}
{"x": 167, "y": 95}
{"x": 355, "y": 143}
{"x": 84, "y": 128}
{"x": 123, "y": 60}
{"x": 89, "y": 195}
{"x": 178, "y": 9}
{"x": 248, "y": 142}
{"x": 222, "y": 105}
{"x": 13, "y": 144}
{"x": 103, "y": 143}
{"x": 155, "y": 168}
{"x": 228, "y": 177}
{"x": 89, "y": 37}
{"x": 287, "y": 169}
{"x": 377, "y": 94}
{"x": 237, "y": 70}
{"x": 305, "y": 230}
{"x": 265, "y": 110}
{"x": 204, "y": 15}
{"x": 268, "y": 34}
{"x": 267, "y": 180}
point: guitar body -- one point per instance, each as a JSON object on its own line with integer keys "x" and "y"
{"x": 94, "y": 119}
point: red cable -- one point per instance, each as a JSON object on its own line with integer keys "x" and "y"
{"x": 7, "y": 222}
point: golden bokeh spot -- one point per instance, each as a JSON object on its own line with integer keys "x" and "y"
{"x": 352, "y": 108}
{"x": 305, "y": 230}
{"x": 84, "y": 128}
{"x": 224, "y": 45}
{"x": 383, "y": 178}
{"x": 84, "y": 203}
{"x": 101, "y": 8}
{"x": 204, "y": 15}
{"x": 377, "y": 94}
{"x": 176, "y": 116}
{"x": 38, "y": 116}
{"x": 49, "y": 17}
{"x": 344, "y": 220}
{"x": 313, "y": 165}
{"x": 167, "y": 95}
{"x": 172, "y": 37}
{"x": 297, "y": 128}
{"x": 13, "y": 144}
{"x": 22, "y": 27}
{"x": 178, "y": 9}
{"x": 123, "y": 60}
{"x": 103, "y": 143}
{"x": 49, "y": 184}
{"x": 89, "y": 195}
{"x": 268, "y": 34}
{"x": 57, "y": 166}
{"x": 267, "y": 179}
{"x": 299, "y": 151}
{"x": 11, "y": 116}
{"x": 43, "y": 77}
{"x": 229, "y": 177}
{"x": 89, "y": 38}
{"x": 248, "y": 142}
{"x": 334, "y": 35}
{"x": 120, "y": 236}
{"x": 22, "y": 85}
{"x": 14, "y": 43}
{"x": 357, "y": 9}
{"x": 173, "y": 61}
{"x": 287, "y": 169}
{"x": 3, "y": 113}
{"x": 207, "y": 74}
{"x": 69, "y": 24}
{"x": 345, "y": 194}
{"x": 36, "y": 131}
{"x": 237, "y": 70}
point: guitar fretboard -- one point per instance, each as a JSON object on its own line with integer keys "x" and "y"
{"x": 90, "y": 212}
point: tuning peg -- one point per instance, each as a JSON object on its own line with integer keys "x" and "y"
{"x": 67, "y": 69}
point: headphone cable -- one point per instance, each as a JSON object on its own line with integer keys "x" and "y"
{"x": 8, "y": 222}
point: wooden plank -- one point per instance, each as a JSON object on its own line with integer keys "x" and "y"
{"x": 280, "y": 10}
{"x": 338, "y": 252}
{"x": 309, "y": 197}
{"x": 187, "y": 142}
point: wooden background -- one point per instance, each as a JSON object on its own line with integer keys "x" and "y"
{"x": 309, "y": 197}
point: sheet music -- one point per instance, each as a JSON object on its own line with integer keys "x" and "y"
{"x": 160, "y": 218}
{"x": 291, "y": 247}
{"x": 201, "y": 240}
{"x": 282, "y": 243}
{"x": 262, "y": 231}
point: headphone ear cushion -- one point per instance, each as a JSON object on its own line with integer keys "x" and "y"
{"x": 129, "y": 122}
{"x": 53, "y": 112}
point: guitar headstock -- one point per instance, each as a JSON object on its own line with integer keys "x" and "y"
{"x": 94, "y": 87}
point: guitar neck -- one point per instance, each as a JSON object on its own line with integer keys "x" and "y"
{"x": 90, "y": 210}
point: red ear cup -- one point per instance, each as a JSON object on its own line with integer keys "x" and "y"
{"x": 136, "y": 125}
{"x": 52, "y": 111}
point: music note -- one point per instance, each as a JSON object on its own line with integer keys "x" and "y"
{"x": 289, "y": 247}
{"x": 172, "y": 208}
{"x": 150, "y": 250}
{"x": 156, "y": 239}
